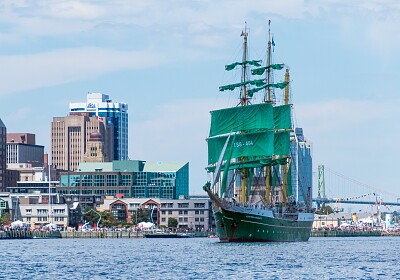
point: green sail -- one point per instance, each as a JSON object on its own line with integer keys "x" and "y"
{"x": 261, "y": 70}
{"x": 251, "y": 117}
{"x": 251, "y": 92}
{"x": 244, "y": 145}
{"x": 232, "y": 66}
{"x": 282, "y": 144}
{"x": 258, "y": 83}
{"x": 282, "y": 117}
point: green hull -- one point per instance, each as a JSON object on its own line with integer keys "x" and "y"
{"x": 236, "y": 226}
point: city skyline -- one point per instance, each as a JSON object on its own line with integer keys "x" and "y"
{"x": 166, "y": 59}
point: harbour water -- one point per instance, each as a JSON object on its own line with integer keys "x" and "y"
{"x": 200, "y": 258}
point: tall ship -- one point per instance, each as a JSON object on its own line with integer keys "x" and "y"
{"x": 251, "y": 159}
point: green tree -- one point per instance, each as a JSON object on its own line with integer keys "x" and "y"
{"x": 108, "y": 219}
{"x": 90, "y": 216}
{"x": 172, "y": 222}
{"x": 5, "y": 218}
{"x": 141, "y": 215}
{"x": 324, "y": 210}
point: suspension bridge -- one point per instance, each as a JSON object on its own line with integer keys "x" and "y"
{"x": 336, "y": 188}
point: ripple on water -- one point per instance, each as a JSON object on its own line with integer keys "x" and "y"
{"x": 200, "y": 258}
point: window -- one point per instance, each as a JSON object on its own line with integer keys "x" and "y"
{"x": 162, "y": 219}
{"x": 170, "y": 212}
{"x": 125, "y": 180}
{"x": 199, "y": 205}
{"x": 42, "y": 211}
{"x": 111, "y": 180}
{"x": 183, "y": 205}
{"x": 163, "y": 212}
{"x": 59, "y": 211}
{"x": 29, "y": 211}
{"x": 87, "y": 180}
{"x": 74, "y": 180}
{"x": 99, "y": 180}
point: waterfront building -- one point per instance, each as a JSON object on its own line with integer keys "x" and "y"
{"x": 334, "y": 220}
{"x": 191, "y": 213}
{"x": 301, "y": 152}
{"x": 101, "y": 106}
{"x": 3, "y": 155}
{"x": 37, "y": 215}
{"x": 126, "y": 209}
{"x": 163, "y": 180}
{"x": 93, "y": 181}
{"x": 70, "y": 136}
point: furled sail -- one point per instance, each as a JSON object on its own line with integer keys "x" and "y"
{"x": 261, "y": 70}
{"x": 232, "y": 66}
{"x": 257, "y": 83}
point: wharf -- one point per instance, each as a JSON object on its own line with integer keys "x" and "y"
{"x": 343, "y": 233}
{"x": 116, "y": 234}
{"x": 26, "y": 234}
{"x": 101, "y": 234}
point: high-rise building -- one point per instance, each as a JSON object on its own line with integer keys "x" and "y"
{"x": 100, "y": 105}
{"x": 301, "y": 152}
{"x": 3, "y": 155}
{"x": 70, "y": 136}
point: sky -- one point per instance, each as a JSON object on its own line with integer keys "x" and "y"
{"x": 166, "y": 60}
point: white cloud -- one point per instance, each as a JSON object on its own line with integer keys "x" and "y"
{"x": 24, "y": 72}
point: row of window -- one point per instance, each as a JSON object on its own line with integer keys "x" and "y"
{"x": 182, "y": 212}
{"x": 45, "y": 211}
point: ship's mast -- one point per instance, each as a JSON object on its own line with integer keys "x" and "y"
{"x": 268, "y": 99}
{"x": 269, "y": 62}
{"x": 244, "y": 94}
{"x": 286, "y": 169}
{"x": 244, "y": 103}
{"x": 287, "y": 77}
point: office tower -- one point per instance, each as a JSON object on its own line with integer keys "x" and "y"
{"x": 301, "y": 152}
{"x": 101, "y": 106}
{"x": 3, "y": 155}
{"x": 70, "y": 136}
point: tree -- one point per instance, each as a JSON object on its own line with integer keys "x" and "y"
{"x": 172, "y": 222}
{"x": 90, "y": 216}
{"x": 324, "y": 210}
{"x": 5, "y": 218}
{"x": 142, "y": 215}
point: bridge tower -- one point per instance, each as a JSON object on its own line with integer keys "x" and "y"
{"x": 321, "y": 185}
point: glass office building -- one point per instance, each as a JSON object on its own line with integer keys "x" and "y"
{"x": 101, "y": 106}
{"x": 139, "y": 179}
{"x": 301, "y": 152}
